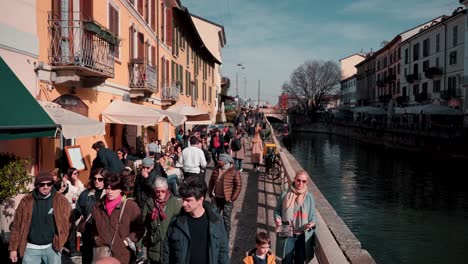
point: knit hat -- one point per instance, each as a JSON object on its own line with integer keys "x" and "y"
{"x": 43, "y": 177}
{"x": 226, "y": 158}
{"x": 147, "y": 162}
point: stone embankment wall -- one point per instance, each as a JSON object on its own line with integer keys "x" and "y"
{"x": 440, "y": 144}
{"x": 334, "y": 241}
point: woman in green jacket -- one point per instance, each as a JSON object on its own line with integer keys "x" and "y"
{"x": 157, "y": 214}
{"x": 295, "y": 215}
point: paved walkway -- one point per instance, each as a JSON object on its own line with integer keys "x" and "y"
{"x": 253, "y": 210}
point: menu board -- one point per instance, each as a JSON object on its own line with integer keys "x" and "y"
{"x": 75, "y": 157}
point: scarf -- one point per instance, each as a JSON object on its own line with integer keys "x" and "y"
{"x": 158, "y": 210}
{"x": 292, "y": 196}
{"x": 112, "y": 204}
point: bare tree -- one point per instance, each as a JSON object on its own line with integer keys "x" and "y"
{"x": 311, "y": 82}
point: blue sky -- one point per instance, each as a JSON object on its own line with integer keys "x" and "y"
{"x": 271, "y": 37}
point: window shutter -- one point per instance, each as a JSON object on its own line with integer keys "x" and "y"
{"x": 169, "y": 27}
{"x": 131, "y": 43}
{"x": 141, "y": 46}
{"x": 86, "y": 7}
{"x": 153, "y": 55}
{"x": 140, "y": 7}
{"x": 56, "y": 9}
{"x": 153, "y": 15}
{"x": 167, "y": 71}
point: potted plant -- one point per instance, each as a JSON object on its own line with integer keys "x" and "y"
{"x": 14, "y": 180}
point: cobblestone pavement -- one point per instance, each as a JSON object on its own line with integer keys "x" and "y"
{"x": 252, "y": 212}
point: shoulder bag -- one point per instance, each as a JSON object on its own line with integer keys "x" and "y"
{"x": 106, "y": 251}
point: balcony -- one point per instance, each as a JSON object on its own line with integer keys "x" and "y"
{"x": 143, "y": 78}
{"x": 432, "y": 72}
{"x": 450, "y": 93}
{"x": 170, "y": 93}
{"x": 421, "y": 97}
{"x": 391, "y": 78}
{"x": 79, "y": 47}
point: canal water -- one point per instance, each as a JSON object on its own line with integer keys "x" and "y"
{"x": 403, "y": 207}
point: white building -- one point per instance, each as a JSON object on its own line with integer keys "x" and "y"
{"x": 432, "y": 63}
{"x": 348, "y": 91}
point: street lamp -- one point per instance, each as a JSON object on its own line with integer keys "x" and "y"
{"x": 237, "y": 81}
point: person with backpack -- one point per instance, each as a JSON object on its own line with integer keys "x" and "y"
{"x": 238, "y": 146}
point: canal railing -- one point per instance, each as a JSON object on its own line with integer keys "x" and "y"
{"x": 334, "y": 241}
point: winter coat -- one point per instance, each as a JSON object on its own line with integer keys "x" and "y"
{"x": 271, "y": 258}
{"x": 232, "y": 183}
{"x": 20, "y": 227}
{"x": 240, "y": 154}
{"x": 158, "y": 228}
{"x": 108, "y": 159}
{"x": 143, "y": 187}
{"x": 85, "y": 203}
{"x": 309, "y": 205}
{"x": 177, "y": 243}
{"x": 104, "y": 227}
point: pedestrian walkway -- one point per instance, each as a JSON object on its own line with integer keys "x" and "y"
{"x": 252, "y": 211}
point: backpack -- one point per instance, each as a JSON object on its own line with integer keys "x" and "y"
{"x": 236, "y": 144}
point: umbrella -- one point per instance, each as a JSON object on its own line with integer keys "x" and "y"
{"x": 194, "y": 115}
{"x": 370, "y": 110}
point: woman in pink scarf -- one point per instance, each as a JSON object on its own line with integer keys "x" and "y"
{"x": 117, "y": 221}
{"x": 157, "y": 214}
{"x": 295, "y": 217}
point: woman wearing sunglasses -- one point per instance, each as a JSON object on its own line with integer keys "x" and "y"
{"x": 72, "y": 174}
{"x": 84, "y": 207}
{"x": 295, "y": 220}
{"x": 117, "y": 221}
{"x": 157, "y": 214}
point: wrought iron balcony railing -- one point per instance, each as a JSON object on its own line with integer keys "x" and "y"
{"x": 431, "y": 72}
{"x": 142, "y": 76}
{"x": 170, "y": 92}
{"x": 80, "y": 45}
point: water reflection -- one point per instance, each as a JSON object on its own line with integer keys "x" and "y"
{"x": 403, "y": 207}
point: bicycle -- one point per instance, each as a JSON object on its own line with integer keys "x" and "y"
{"x": 272, "y": 165}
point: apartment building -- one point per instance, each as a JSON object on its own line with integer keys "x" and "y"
{"x": 144, "y": 52}
{"x": 433, "y": 62}
{"x": 365, "y": 80}
{"x": 348, "y": 91}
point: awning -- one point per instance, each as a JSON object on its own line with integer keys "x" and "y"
{"x": 173, "y": 118}
{"x": 73, "y": 125}
{"x": 429, "y": 109}
{"x": 369, "y": 110}
{"x": 126, "y": 113}
{"x": 22, "y": 116}
{"x": 195, "y": 116}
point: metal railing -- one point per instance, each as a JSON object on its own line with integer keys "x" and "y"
{"x": 79, "y": 43}
{"x": 450, "y": 93}
{"x": 170, "y": 92}
{"x": 142, "y": 75}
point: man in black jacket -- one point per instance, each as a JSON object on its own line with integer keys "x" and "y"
{"x": 106, "y": 158}
{"x": 143, "y": 188}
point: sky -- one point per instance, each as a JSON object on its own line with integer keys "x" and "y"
{"x": 271, "y": 38}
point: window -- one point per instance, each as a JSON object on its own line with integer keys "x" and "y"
{"x": 437, "y": 61}
{"x": 415, "y": 89}
{"x": 425, "y": 65}
{"x": 403, "y": 91}
{"x": 455, "y": 36}
{"x": 398, "y": 68}
{"x": 416, "y": 71}
{"x": 424, "y": 88}
{"x": 437, "y": 42}
{"x": 114, "y": 26}
{"x": 416, "y": 52}
{"x": 453, "y": 58}
{"x": 406, "y": 56}
{"x": 436, "y": 86}
{"x": 426, "y": 47}
{"x": 452, "y": 83}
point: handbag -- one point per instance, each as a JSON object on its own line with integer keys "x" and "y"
{"x": 106, "y": 251}
{"x": 81, "y": 227}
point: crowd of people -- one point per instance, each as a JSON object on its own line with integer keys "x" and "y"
{"x": 158, "y": 212}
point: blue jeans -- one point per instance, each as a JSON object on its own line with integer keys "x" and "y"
{"x": 238, "y": 164}
{"x": 295, "y": 250}
{"x": 225, "y": 209}
{"x": 46, "y": 256}
{"x": 173, "y": 182}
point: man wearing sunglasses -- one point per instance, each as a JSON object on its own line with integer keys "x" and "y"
{"x": 41, "y": 224}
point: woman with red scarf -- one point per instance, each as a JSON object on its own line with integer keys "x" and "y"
{"x": 117, "y": 221}
{"x": 157, "y": 214}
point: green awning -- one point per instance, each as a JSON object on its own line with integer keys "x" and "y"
{"x": 21, "y": 116}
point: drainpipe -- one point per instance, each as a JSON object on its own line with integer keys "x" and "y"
{"x": 445, "y": 56}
